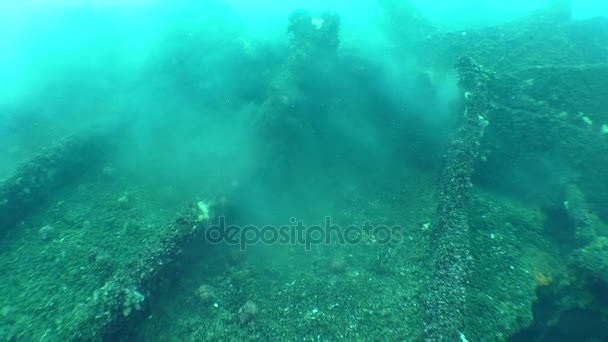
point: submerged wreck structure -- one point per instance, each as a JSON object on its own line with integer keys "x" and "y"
{"x": 58, "y": 209}
{"x": 545, "y": 144}
{"x": 506, "y": 238}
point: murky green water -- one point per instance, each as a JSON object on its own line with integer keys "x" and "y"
{"x": 372, "y": 170}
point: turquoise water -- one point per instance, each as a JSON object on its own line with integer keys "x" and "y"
{"x": 304, "y": 171}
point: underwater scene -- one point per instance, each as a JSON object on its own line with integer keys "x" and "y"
{"x": 366, "y": 170}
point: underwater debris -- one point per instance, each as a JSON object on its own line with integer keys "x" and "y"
{"x": 133, "y": 301}
{"x": 446, "y": 300}
{"x": 204, "y": 214}
{"x": 53, "y": 168}
{"x": 124, "y": 291}
{"x": 544, "y": 36}
{"x": 248, "y": 312}
{"x": 593, "y": 259}
{"x": 585, "y": 222}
